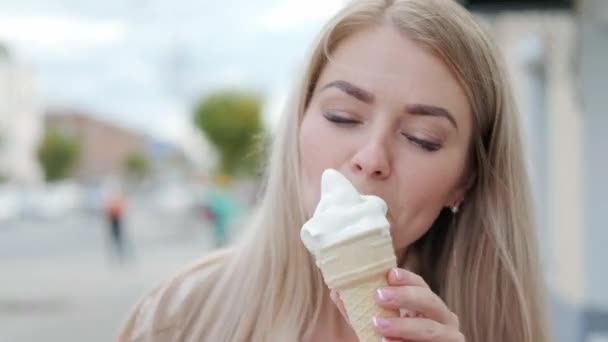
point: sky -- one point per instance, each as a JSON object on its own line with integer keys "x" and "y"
{"x": 144, "y": 63}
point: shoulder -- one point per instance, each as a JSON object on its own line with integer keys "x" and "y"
{"x": 157, "y": 316}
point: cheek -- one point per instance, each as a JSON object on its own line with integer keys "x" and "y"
{"x": 318, "y": 152}
{"x": 424, "y": 191}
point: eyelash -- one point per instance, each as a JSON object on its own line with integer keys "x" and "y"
{"x": 424, "y": 144}
{"x": 339, "y": 119}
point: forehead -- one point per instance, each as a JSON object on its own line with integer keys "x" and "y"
{"x": 394, "y": 67}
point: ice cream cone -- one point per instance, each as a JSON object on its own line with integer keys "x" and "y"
{"x": 356, "y": 268}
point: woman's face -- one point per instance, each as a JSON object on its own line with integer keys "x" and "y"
{"x": 390, "y": 116}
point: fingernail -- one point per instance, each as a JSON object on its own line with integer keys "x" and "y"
{"x": 380, "y": 322}
{"x": 386, "y": 294}
{"x": 398, "y": 274}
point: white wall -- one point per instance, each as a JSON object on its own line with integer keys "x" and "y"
{"x": 540, "y": 53}
{"x": 20, "y": 124}
{"x": 594, "y": 91}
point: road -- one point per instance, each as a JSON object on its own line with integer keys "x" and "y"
{"x": 59, "y": 281}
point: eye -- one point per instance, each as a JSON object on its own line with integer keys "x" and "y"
{"x": 340, "y": 119}
{"x": 427, "y": 145}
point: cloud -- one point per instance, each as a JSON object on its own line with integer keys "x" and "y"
{"x": 47, "y": 32}
{"x": 294, "y": 14}
{"x": 144, "y": 63}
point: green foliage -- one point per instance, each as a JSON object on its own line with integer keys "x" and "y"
{"x": 231, "y": 122}
{"x": 137, "y": 165}
{"x": 58, "y": 154}
{"x": 4, "y": 52}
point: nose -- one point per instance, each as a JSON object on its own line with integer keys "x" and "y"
{"x": 372, "y": 160}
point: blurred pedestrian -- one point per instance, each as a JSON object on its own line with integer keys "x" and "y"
{"x": 221, "y": 208}
{"x": 114, "y": 212}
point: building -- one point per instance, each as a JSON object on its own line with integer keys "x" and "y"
{"x": 105, "y": 147}
{"x": 20, "y": 122}
{"x": 593, "y": 75}
{"x": 557, "y": 61}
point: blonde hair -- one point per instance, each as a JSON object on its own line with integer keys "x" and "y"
{"x": 482, "y": 262}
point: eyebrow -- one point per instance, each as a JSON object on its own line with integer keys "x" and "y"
{"x": 428, "y": 110}
{"x": 352, "y": 90}
{"x": 367, "y": 97}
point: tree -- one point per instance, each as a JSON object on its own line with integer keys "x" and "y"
{"x": 58, "y": 153}
{"x": 4, "y": 52}
{"x": 231, "y": 121}
{"x": 137, "y": 165}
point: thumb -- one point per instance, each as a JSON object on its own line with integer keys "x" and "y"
{"x": 335, "y": 297}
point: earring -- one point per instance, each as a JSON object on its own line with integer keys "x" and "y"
{"x": 454, "y": 209}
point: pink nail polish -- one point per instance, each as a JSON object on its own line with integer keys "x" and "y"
{"x": 380, "y": 322}
{"x": 398, "y": 274}
{"x": 385, "y": 294}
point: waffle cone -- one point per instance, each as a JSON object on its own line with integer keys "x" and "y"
{"x": 356, "y": 268}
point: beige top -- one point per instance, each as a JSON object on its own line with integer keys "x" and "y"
{"x": 164, "y": 314}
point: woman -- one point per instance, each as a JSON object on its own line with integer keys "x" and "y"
{"x": 408, "y": 100}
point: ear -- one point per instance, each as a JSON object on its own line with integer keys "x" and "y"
{"x": 459, "y": 193}
{"x": 455, "y": 199}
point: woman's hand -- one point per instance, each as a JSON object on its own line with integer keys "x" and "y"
{"x": 427, "y": 317}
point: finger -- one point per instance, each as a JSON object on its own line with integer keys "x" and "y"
{"x": 415, "y": 329}
{"x": 408, "y": 314}
{"x": 335, "y": 297}
{"x": 399, "y": 276}
{"x": 415, "y": 299}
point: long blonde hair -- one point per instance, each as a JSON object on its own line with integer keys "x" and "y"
{"x": 482, "y": 262}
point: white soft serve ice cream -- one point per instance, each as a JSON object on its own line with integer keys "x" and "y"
{"x": 342, "y": 213}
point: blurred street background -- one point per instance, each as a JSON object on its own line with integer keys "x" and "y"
{"x": 132, "y": 139}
